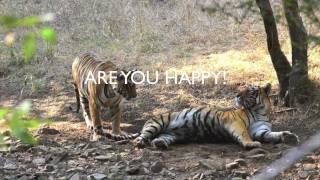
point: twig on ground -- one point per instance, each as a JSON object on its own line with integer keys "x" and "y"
{"x": 285, "y": 110}
{"x": 290, "y": 158}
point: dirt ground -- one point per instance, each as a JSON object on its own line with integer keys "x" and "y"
{"x": 152, "y": 35}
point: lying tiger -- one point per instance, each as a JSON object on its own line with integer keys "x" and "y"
{"x": 249, "y": 125}
{"x": 92, "y": 96}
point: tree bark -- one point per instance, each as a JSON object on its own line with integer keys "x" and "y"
{"x": 298, "y": 81}
{"x": 279, "y": 60}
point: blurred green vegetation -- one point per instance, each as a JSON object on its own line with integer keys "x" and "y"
{"x": 29, "y": 42}
{"x": 16, "y": 119}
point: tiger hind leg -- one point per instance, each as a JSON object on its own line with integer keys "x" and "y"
{"x": 77, "y": 97}
{"x": 86, "y": 113}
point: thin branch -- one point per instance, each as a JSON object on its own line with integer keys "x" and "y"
{"x": 290, "y": 158}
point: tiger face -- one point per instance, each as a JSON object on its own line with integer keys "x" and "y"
{"x": 126, "y": 89}
{"x": 254, "y": 97}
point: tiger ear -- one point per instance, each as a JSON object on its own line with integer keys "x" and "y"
{"x": 267, "y": 88}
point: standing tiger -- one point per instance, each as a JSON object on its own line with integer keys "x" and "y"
{"x": 248, "y": 125}
{"x": 92, "y": 95}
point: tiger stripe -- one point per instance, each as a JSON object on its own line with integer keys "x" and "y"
{"x": 248, "y": 125}
{"x": 92, "y": 96}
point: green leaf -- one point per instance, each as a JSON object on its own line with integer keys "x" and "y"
{"x": 48, "y": 34}
{"x": 19, "y": 130}
{"x": 25, "y": 106}
{"x": 29, "y": 21}
{"x": 32, "y": 124}
{"x": 25, "y": 137}
{"x": 3, "y": 112}
{"x": 8, "y": 21}
{"x": 29, "y": 46}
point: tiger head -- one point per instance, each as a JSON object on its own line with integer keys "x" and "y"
{"x": 126, "y": 89}
{"x": 255, "y": 98}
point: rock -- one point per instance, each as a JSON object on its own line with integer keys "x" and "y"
{"x": 49, "y": 168}
{"x": 76, "y": 176}
{"x": 303, "y": 174}
{"x": 108, "y": 157}
{"x": 308, "y": 167}
{"x": 132, "y": 170}
{"x": 212, "y": 164}
{"x": 156, "y": 167}
{"x": 257, "y": 156}
{"x": 140, "y": 177}
{"x": 309, "y": 159}
{"x": 145, "y": 164}
{"x": 47, "y": 131}
{"x": 241, "y": 173}
{"x": 256, "y": 151}
{"x": 242, "y": 162}
{"x": 76, "y": 169}
{"x": 21, "y": 147}
{"x": 106, "y": 147}
{"x": 10, "y": 166}
{"x": 166, "y": 172}
{"x": 232, "y": 165}
{"x": 98, "y": 176}
{"x": 39, "y": 161}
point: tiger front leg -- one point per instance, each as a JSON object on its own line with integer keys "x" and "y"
{"x": 239, "y": 133}
{"x": 116, "y": 116}
{"x": 96, "y": 122}
{"x": 278, "y": 137}
{"x": 85, "y": 111}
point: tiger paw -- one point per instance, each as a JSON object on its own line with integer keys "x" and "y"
{"x": 139, "y": 142}
{"x": 159, "y": 143}
{"x": 251, "y": 145}
{"x": 98, "y": 137}
{"x": 289, "y": 138}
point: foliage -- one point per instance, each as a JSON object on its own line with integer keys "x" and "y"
{"x": 47, "y": 34}
{"x": 15, "y": 120}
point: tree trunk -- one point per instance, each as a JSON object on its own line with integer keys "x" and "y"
{"x": 298, "y": 81}
{"x": 279, "y": 60}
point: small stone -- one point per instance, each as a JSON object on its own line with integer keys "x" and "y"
{"x": 232, "y": 165}
{"x": 76, "y": 169}
{"x": 241, "y": 173}
{"x": 166, "y": 172}
{"x": 156, "y": 167}
{"x": 308, "y": 167}
{"x": 132, "y": 170}
{"x": 76, "y": 176}
{"x": 98, "y": 176}
{"x": 257, "y": 156}
{"x": 47, "y": 131}
{"x": 309, "y": 159}
{"x": 106, "y": 147}
{"x": 10, "y": 166}
{"x": 212, "y": 164}
{"x": 241, "y": 161}
{"x": 21, "y": 147}
{"x": 145, "y": 164}
{"x": 39, "y": 161}
{"x": 49, "y": 168}
{"x": 303, "y": 174}
{"x": 109, "y": 157}
{"x": 256, "y": 151}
